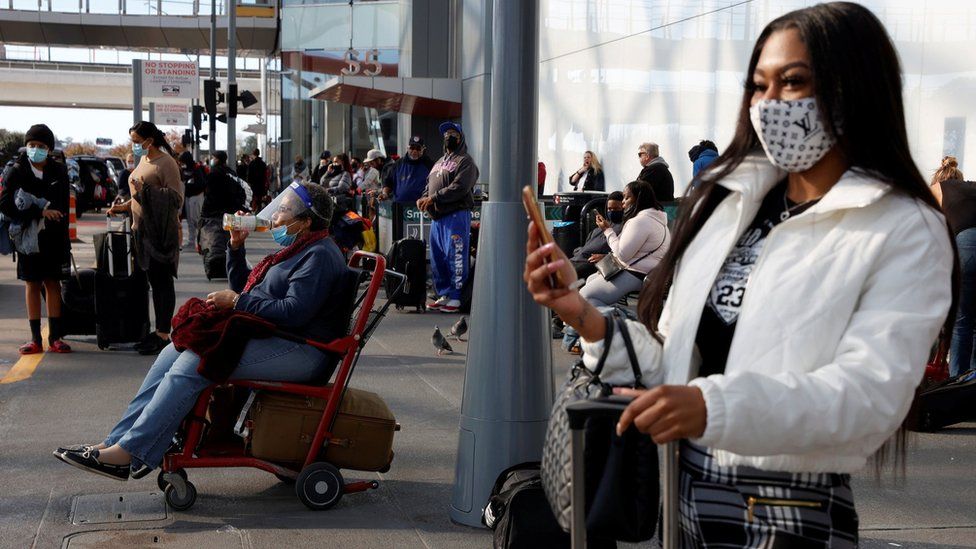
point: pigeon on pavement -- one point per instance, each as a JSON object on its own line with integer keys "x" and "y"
{"x": 439, "y": 342}
{"x": 460, "y": 328}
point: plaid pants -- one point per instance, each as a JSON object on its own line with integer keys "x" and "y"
{"x": 748, "y": 507}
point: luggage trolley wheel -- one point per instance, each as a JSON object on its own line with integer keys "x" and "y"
{"x": 180, "y": 494}
{"x": 320, "y": 486}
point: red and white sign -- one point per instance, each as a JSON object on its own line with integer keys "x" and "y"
{"x": 171, "y": 114}
{"x": 170, "y": 79}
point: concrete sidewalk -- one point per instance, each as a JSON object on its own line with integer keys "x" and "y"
{"x": 77, "y": 398}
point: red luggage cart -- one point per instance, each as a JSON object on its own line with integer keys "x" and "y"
{"x": 318, "y": 484}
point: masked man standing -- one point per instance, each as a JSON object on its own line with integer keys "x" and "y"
{"x": 449, "y": 199}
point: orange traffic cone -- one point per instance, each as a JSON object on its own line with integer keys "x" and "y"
{"x": 72, "y": 220}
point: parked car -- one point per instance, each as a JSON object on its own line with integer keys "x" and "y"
{"x": 96, "y": 185}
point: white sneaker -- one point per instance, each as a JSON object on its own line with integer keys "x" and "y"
{"x": 436, "y": 305}
{"x": 451, "y": 306}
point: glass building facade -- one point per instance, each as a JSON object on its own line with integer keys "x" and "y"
{"x": 616, "y": 73}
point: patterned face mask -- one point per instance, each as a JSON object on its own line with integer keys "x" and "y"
{"x": 791, "y": 132}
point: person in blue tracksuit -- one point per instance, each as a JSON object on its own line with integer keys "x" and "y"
{"x": 449, "y": 199}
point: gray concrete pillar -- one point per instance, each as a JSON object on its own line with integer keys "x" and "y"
{"x": 508, "y": 387}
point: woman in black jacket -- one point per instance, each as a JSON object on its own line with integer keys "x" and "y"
{"x": 42, "y": 203}
{"x": 590, "y": 175}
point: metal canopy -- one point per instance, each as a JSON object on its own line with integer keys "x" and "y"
{"x": 435, "y": 97}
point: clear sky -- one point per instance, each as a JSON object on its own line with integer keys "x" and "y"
{"x": 89, "y": 124}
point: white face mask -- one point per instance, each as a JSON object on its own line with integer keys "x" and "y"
{"x": 791, "y": 132}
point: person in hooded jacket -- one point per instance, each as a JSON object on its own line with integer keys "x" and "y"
{"x": 34, "y": 172}
{"x": 656, "y": 171}
{"x": 223, "y": 193}
{"x": 449, "y": 199}
{"x": 701, "y": 155}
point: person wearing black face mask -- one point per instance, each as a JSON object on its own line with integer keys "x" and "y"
{"x": 585, "y": 257}
{"x": 640, "y": 244}
{"x": 449, "y": 199}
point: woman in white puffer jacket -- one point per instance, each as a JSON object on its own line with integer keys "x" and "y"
{"x": 805, "y": 287}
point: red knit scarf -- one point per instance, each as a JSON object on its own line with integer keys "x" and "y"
{"x": 258, "y": 272}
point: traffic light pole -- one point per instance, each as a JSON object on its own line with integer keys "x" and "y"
{"x": 232, "y": 82}
{"x": 211, "y": 118}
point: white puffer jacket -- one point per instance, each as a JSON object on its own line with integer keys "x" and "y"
{"x": 837, "y": 321}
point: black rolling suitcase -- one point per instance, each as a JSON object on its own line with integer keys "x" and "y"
{"x": 78, "y": 303}
{"x": 609, "y": 409}
{"x": 408, "y": 257}
{"x": 947, "y": 403}
{"x": 113, "y": 253}
{"x": 121, "y": 308}
{"x": 213, "y": 244}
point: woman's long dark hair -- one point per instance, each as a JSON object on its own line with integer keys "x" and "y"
{"x": 860, "y": 94}
{"x": 148, "y": 130}
{"x": 644, "y": 199}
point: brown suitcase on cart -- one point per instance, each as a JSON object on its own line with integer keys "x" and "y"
{"x": 284, "y": 425}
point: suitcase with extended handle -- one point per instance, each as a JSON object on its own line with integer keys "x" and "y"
{"x": 610, "y": 408}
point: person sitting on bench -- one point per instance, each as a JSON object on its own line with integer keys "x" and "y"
{"x": 297, "y": 289}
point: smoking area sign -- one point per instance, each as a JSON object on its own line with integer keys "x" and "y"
{"x": 170, "y": 79}
{"x": 171, "y": 114}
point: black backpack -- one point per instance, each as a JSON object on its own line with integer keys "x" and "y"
{"x": 519, "y": 514}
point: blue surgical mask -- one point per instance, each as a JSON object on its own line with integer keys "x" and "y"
{"x": 138, "y": 150}
{"x": 36, "y": 154}
{"x": 281, "y": 236}
{"x": 615, "y": 216}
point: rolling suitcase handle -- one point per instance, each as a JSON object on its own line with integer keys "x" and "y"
{"x": 579, "y": 412}
{"x": 611, "y": 407}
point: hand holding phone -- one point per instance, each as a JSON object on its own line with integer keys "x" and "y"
{"x": 535, "y": 217}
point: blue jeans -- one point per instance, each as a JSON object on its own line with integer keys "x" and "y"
{"x": 961, "y": 351}
{"x": 172, "y": 386}
{"x": 450, "y": 240}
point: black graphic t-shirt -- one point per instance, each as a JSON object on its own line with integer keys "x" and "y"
{"x": 721, "y": 310}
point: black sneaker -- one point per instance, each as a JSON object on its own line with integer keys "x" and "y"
{"x": 152, "y": 345}
{"x": 88, "y": 461}
{"x": 75, "y": 448}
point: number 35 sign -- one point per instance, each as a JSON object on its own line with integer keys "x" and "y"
{"x": 369, "y": 65}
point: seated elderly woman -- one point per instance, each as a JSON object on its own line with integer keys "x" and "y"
{"x": 297, "y": 288}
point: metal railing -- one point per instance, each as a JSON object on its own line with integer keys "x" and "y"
{"x": 132, "y": 7}
{"x": 108, "y": 68}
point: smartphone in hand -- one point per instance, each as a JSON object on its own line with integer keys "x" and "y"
{"x": 535, "y": 216}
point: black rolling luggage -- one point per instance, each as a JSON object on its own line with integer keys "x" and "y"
{"x": 121, "y": 308}
{"x": 78, "y": 303}
{"x": 113, "y": 253}
{"x": 409, "y": 257}
{"x": 947, "y": 403}
{"x": 213, "y": 244}
{"x": 602, "y": 504}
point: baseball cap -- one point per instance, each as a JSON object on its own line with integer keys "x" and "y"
{"x": 373, "y": 154}
{"x": 450, "y": 126}
{"x": 416, "y": 141}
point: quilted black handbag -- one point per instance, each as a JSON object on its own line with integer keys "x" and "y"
{"x": 621, "y": 480}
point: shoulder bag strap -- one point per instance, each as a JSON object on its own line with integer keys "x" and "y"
{"x": 634, "y": 364}
{"x": 607, "y": 341}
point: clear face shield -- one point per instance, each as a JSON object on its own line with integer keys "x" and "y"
{"x": 287, "y": 206}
